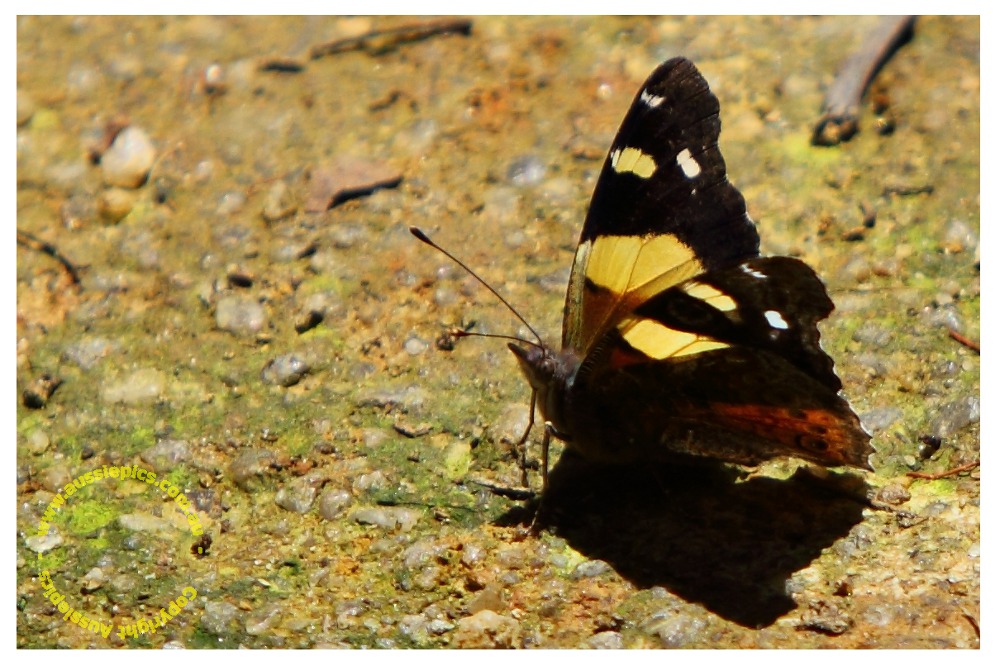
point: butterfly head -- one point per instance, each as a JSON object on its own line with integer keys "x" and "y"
{"x": 551, "y": 377}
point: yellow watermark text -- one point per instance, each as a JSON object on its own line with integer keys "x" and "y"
{"x": 59, "y": 601}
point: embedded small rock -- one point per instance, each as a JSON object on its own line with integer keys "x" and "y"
{"x": 285, "y": 370}
{"x": 166, "y": 454}
{"x": 128, "y": 161}
{"x": 248, "y": 466}
{"x": 218, "y": 615}
{"x": 486, "y": 630}
{"x": 142, "y": 385}
{"x": 43, "y": 543}
{"x": 240, "y": 315}
{"x": 332, "y": 502}
{"x": 296, "y": 496}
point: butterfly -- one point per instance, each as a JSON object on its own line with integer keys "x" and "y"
{"x": 679, "y": 340}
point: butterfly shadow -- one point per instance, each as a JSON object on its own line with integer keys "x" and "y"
{"x": 701, "y": 532}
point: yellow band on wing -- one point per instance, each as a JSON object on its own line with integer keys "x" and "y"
{"x": 660, "y": 342}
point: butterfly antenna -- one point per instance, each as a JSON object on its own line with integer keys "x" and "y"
{"x": 426, "y": 239}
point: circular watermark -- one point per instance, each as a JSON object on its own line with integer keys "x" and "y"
{"x": 139, "y": 626}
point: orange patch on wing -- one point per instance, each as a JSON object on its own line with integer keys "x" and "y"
{"x": 814, "y": 434}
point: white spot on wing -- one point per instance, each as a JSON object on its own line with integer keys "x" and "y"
{"x": 751, "y": 272}
{"x": 650, "y": 99}
{"x": 775, "y": 319}
{"x": 688, "y": 164}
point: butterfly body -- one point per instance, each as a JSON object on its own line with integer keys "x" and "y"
{"x": 679, "y": 339}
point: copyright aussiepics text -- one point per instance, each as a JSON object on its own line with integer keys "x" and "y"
{"x": 123, "y": 472}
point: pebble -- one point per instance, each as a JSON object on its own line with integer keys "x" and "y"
{"x": 473, "y": 553}
{"x": 248, "y": 466}
{"x": 285, "y": 370}
{"x": 125, "y": 67}
{"x": 872, "y": 334}
{"x": 94, "y": 579}
{"x": 263, "y": 620}
{"x": 512, "y": 423}
{"x": 39, "y": 390}
{"x": 418, "y": 137}
{"x": 956, "y": 415}
{"x": 485, "y": 630}
{"x": 82, "y": 80}
{"x": 333, "y": 501}
{"x": 166, "y": 454}
{"x": 38, "y": 441}
{"x": 240, "y": 315}
{"x": 217, "y": 616}
{"x": 346, "y": 235}
{"x": 676, "y": 630}
{"x": 56, "y": 477}
{"x": 589, "y": 569}
{"x": 25, "y": 107}
{"x": 945, "y": 317}
{"x": 389, "y": 517}
{"x": 439, "y": 626}
{"x": 43, "y": 543}
{"x": 88, "y": 351}
{"x": 409, "y": 398}
{"x": 526, "y": 170}
{"x": 959, "y": 236}
{"x": 501, "y": 205}
{"x": 457, "y": 460}
{"x": 606, "y": 640}
{"x": 141, "y": 386}
{"x": 297, "y": 496}
{"x": 874, "y": 363}
{"x": 76, "y": 211}
{"x": 489, "y": 598}
{"x": 144, "y": 522}
{"x": 376, "y": 480}
{"x": 880, "y": 418}
{"x": 278, "y": 203}
{"x": 894, "y": 494}
{"x": 114, "y": 204}
{"x": 231, "y": 203}
{"x": 423, "y": 552}
{"x": 413, "y": 626}
{"x": 415, "y": 346}
{"x": 127, "y": 162}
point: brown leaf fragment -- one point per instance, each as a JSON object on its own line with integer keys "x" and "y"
{"x": 347, "y": 177}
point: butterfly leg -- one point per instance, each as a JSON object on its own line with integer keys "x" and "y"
{"x": 546, "y": 439}
{"x": 537, "y": 521}
{"x": 522, "y": 444}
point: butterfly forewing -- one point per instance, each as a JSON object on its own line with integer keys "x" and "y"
{"x": 663, "y": 210}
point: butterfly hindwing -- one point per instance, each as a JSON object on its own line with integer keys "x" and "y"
{"x": 749, "y": 305}
{"x": 663, "y": 210}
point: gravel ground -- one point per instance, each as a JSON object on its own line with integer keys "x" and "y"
{"x": 254, "y": 324}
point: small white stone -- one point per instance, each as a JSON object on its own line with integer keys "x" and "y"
{"x": 128, "y": 161}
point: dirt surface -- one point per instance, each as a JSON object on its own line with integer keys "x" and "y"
{"x": 284, "y": 368}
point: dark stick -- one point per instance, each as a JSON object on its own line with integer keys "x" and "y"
{"x": 380, "y": 41}
{"x": 940, "y": 475}
{"x": 37, "y": 244}
{"x": 961, "y": 339}
{"x": 843, "y": 99}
